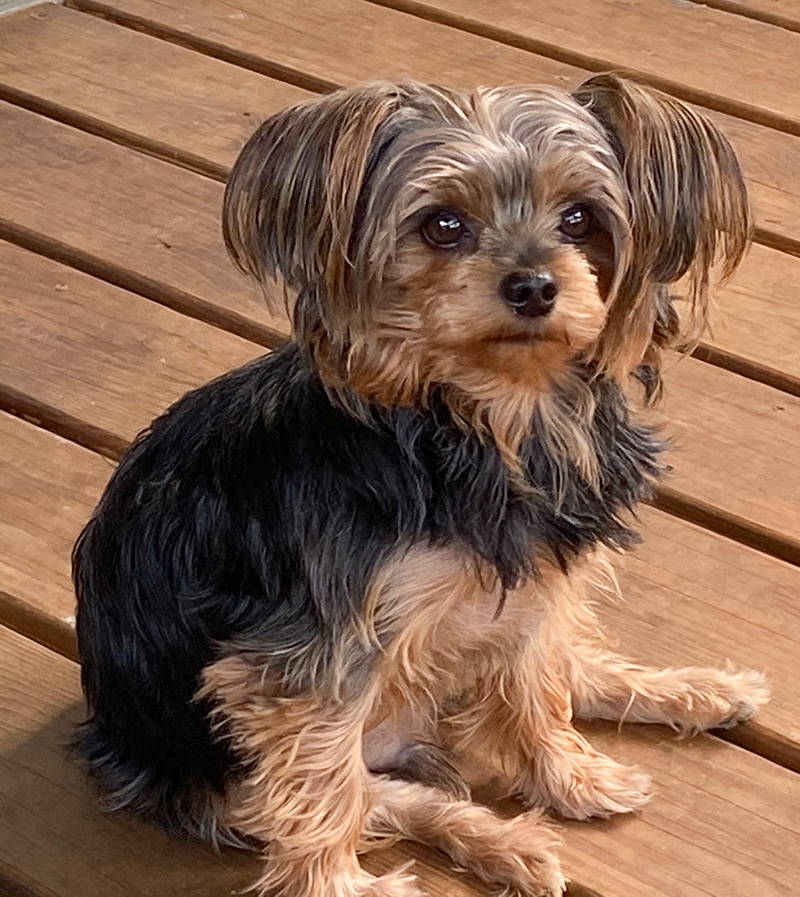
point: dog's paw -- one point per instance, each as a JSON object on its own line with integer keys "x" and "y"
{"x": 741, "y": 694}
{"x": 397, "y": 883}
{"x": 524, "y": 857}
{"x": 582, "y": 785}
{"x": 699, "y": 698}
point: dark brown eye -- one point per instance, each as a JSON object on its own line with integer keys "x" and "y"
{"x": 576, "y": 222}
{"x": 445, "y": 229}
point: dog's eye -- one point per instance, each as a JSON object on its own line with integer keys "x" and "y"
{"x": 576, "y": 222}
{"x": 445, "y": 229}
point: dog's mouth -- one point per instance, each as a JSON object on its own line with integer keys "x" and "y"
{"x": 526, "y": 338}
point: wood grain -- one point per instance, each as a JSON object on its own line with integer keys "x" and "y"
{"x": 782, "y": 13}
{"x": 116, "y": 368}
{"x": 731, "y": 63}
{"x": 159, "y": 220}
{"x": 334, "y": 43}
{"x": 734, "y": 443}
{"x": 756, "y": 316}
{"x": 50, "y": 487}
{"x": 135, "y": 87}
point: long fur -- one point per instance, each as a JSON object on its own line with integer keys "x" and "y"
{"x": 315, "y": 582}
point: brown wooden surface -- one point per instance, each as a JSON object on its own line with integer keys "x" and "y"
{"x": 783, "y": 13}
{"x": 115, "y": 368}
{"x": 135, "y": 86}
{"x": 88, "y": 350}
{"x": 336, "y": 42}
{"x": 738, "y": 65}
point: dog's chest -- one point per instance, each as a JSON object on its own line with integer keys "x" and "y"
{"x": 445, "y": 626}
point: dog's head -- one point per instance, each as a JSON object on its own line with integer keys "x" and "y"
{"x": 483, "y": 241}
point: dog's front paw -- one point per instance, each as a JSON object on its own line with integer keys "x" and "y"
{"x": 583, "y": 784}
{"x": 694, "y": 699}
{"x": 522, "y": 854}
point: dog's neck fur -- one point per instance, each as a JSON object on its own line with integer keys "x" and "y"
{"x": 550, "y": 504}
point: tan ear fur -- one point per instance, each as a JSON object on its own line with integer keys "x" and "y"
{"x": 688, "y": 204}
{"x": 291, "y": 200}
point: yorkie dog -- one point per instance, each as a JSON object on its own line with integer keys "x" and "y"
{"x": 317, "y": 583}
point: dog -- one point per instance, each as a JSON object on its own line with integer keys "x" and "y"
{"x": 318, "y": 583}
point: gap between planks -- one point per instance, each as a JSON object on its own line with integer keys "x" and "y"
{"x": 726, "y": 105}
{"x": 161, "y": 293}
{"x": 240, "y": 58}
{"x": 736, "y": 8}
{"x": 299, "y": 78}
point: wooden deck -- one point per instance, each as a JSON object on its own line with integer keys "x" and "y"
{"x": 118, "y": 122}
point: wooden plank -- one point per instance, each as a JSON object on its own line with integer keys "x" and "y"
{"x": 50, "y": 487}
{"x": 157, "y": 220}
{"x": 736, "y": 65}
{"x": 9, "y": 6}
{"x": 97, "y": 62}
{"x": 135, "y": 86}
{"x": 718, "y": 810}
{"x": 692, "y": 597}
{"x": 97, "y": 352}
{"x": 740, "y": 820}
{"x": 756, "y": 316}
{"x": 783, "y": 13}
{"x": 334, "y": 43}
{"x": 735, "y": 443}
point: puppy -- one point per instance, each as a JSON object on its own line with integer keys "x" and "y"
{"x": 315, "y": 583}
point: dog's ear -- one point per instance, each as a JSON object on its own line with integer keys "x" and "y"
{"x": 292, "y": 199}
{"x": 688, "y": 205}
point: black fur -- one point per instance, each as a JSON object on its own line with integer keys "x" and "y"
{"x": 257, "y": 511}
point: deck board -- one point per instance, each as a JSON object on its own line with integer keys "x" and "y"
{"x": 167, "y": 110}
{"x": 337, "y": 46}
{"x": 115, "y": 141}
{"x": 737, "y": 64}
{"x": 116, "y": 368}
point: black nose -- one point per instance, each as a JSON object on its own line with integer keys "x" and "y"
{"x": 529, "y": 295}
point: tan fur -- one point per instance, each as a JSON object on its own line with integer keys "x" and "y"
{"x": 450, "y": 671}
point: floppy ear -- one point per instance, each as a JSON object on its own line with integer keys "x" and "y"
{"x": 291, "y": 201}
{"x": 688, "y": 206}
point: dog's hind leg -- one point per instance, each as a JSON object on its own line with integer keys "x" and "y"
{"x": 304, "y": 791}
{"x": 519, "y": 852}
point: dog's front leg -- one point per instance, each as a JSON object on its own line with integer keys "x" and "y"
{"x": 555, "y": 765}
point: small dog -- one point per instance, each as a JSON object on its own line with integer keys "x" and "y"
{"x": 316, "y": 583}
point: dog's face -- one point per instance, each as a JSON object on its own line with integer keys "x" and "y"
{"x": 507, "y": 232}
{"x": 483, "y": 241}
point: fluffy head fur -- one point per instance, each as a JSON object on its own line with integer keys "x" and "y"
{"x": 334, "y": 197}
{"x": 316, "y": 579}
